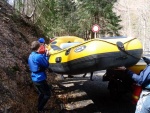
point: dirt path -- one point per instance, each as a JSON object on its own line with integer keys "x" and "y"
{"x": 80, "y": 95}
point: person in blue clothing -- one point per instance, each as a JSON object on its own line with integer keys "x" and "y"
{"x": 38, "y": 63}
{"x": 143, "y": 79}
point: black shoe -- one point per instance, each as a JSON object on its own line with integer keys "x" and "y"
{"x": 62, "y": 106}
{"x": 44, "y": 110}
{"x": 41, "y": 111}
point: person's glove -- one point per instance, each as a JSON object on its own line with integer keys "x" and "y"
{"x": 146, "y": 60}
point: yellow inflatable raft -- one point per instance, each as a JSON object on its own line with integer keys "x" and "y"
{"x": 93, "y": 55}
{"x": 141, "y": 65}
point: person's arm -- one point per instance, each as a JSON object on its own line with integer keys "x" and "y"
{"x": 141, "y": 77}
{"x": 134, "y": 76}
{"x": 137, "y": 78}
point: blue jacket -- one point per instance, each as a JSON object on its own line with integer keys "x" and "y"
{"x": 38, "y": 64}
{"x": 143, "y": 78}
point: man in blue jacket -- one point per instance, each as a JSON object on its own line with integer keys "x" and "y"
{"x": 38, "y": 64}
{"x": 143, "y": 79}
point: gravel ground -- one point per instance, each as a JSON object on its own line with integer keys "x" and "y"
{"x": 81, "y": 95}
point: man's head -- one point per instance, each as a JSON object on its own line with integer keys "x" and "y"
{"x": 41, "y": 40}
{"x": 35, "y": 45}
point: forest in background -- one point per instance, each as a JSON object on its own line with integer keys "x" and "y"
{"x": 76, "y": 17}
{"x": 71, "y": 17}
{"x": 135, "y": 20}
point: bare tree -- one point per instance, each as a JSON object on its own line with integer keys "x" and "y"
{"x": 135, "y": 19}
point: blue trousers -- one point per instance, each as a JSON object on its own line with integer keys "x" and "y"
{"x": 143, "y": 104}
{"x": 44, "y": 94}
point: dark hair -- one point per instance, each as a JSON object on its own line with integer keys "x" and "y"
{"x": 35, "y": 45}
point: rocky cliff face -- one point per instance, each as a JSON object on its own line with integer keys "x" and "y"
{"x": 16, "y": 34}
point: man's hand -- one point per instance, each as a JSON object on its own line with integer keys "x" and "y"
{"x": 47, "y": 53}
{"x": 146, "y": 60}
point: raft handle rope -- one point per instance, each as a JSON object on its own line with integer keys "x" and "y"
{"x": 121, "y": 48}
